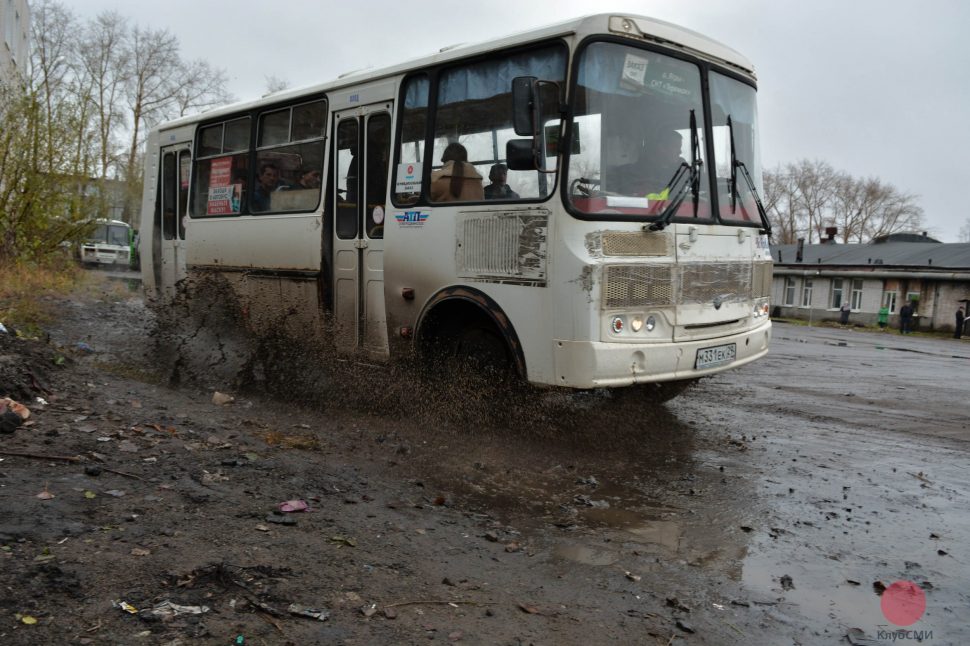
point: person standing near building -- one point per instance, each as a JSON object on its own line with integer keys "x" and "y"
{"x": 883, "y": 319}
{"x": 906, "y": 318}
{"x": 844, "y": 313}
{"x": 958, "y": 330}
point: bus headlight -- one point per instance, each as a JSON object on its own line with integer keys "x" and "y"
{"x": 636, "y": 324}
{"x": 761, "y": 308}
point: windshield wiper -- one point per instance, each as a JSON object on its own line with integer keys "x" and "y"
{"x": 693, "y": 179}
{"x": 738, "y": 164}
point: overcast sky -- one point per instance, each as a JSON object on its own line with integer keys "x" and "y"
{"x": 875, "y": 88}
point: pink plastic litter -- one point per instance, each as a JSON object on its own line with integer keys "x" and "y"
{"x": 294, "y": 505}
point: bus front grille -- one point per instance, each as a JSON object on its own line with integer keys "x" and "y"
{"x": 637, "y": 286}
{"x": 632, "y": 286}
{"x": 702, "y": 282}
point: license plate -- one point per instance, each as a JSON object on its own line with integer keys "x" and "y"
{"x": 716, "y": 356}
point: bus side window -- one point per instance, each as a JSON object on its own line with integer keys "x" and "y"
{"x": 414, "y": 127}
{"x": 474, "y": 111}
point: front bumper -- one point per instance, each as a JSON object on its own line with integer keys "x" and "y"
{"x": 594, "y": 364}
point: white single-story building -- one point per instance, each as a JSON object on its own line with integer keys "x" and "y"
{"x": 812, "y": 281}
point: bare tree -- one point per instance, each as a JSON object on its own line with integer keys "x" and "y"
{"x": 805, "y": 197}
{"x": 203, "y": 87}
{"x": 815, "y": 181}
{"x": 781, "y": 205}
{"x": 276, "y": 84}
{"x": 964, "y": 235}
{"x": 104, "y": 66}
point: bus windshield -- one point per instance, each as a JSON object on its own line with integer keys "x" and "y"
{"x": 113, "y": 234}
{"x": 736, "y": 159}
{"x": 638, "y": 135}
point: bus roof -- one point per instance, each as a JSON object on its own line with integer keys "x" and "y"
{"x": 640, "y": 27}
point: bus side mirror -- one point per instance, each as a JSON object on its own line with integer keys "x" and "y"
{"x": 524, "y": 108}
{"x": 520, "y": 154}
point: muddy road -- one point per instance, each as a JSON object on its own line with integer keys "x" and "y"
{"x": 770, "y": 505}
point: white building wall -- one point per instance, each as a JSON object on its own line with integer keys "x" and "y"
{"x": 14, "y": 39}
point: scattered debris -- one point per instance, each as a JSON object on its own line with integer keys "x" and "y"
{"x": 222, "y": 399}
{"x": 786, "y": 583}
{"x": 878, "y": 587}
{"x": 167, "y": 609}
{"x": 368, "y": 610}
{"x": 857, "y": 637}
{"x": 280, "y": 519}
{"x": 677, "y": 604}
{"x": 632, "y": 576}
{"x": 686, "y": 627}
{"x": 291, "y": 506}
{"x": 319, "y": 614}
{"x": 127, "y": 607}
{"x": 343, "y": 540}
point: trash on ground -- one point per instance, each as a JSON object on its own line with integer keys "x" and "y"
{"x": 857, "y": 637}
{"x": 221, "y": 399}
{"x": 9, "y": 404}
{"x": 368, "y": 610}
{"x": 45, "y": 494}
{"x": 127, "y": 607}
{"x": 26, "y": 619}
{"x": 290, "y": 506}
{"x": 344, "y": 540}
{"x": 167, "y": 609}
{"x": 320, "y": 614}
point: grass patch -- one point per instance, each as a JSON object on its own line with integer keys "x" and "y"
{"x": 27, "y": 292}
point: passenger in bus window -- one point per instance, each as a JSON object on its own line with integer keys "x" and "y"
{"x": 309, "y": 180}
{"x": 499, "y": 188}
{"x": 457, "y": 180}
{"x": 267, "y": 181}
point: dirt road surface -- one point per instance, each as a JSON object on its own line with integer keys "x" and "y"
{"x": 775, "y": 504}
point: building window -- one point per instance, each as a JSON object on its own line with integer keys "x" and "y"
{"x": 856, "y": 294}
{"x": 889, "y": 301}
{"x": 837, "y": 293}
{"x": 807, "y": 293}
{"x": 789, "y": 291}
{"x": 913, "y": 297}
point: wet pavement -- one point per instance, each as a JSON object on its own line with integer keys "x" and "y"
{"x": 774, "y": 501}
{"x": 773, "y": 504}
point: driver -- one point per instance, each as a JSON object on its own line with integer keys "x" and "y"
{"x": 658, "y": 162}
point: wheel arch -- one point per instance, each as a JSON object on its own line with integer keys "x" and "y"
{"x": 465, "y": 304}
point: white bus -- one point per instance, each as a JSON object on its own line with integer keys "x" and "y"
{"x": 577, "y": 204}
{"x": 109, "y": 244}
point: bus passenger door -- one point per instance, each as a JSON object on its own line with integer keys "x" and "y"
{"x": 362, "y": 145}
{"x": 169, "y": 234}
